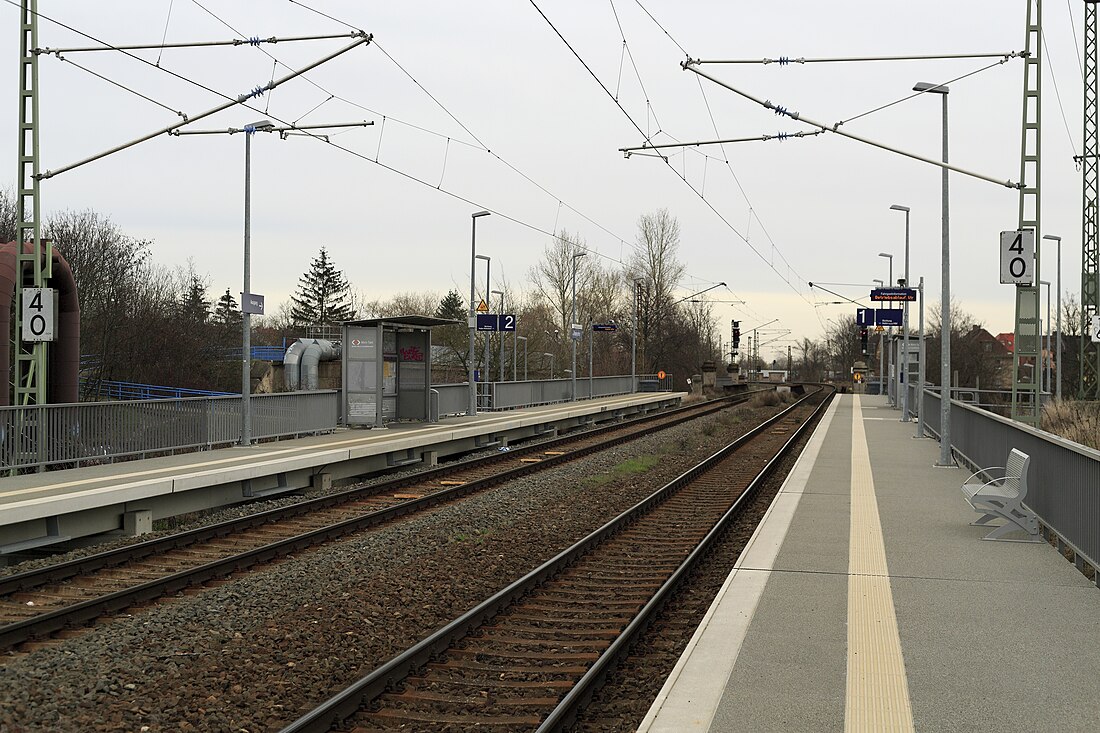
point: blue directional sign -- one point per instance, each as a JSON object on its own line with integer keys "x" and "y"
{"x": 602, "y": 327}
{"x": 865, "y": 316}
{"x": 494, "y": 322}
{"x": 894, "y": 295}
{"x": 888, "y": 317}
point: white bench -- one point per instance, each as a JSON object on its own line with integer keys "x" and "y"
{"x": 1002, "y": 498}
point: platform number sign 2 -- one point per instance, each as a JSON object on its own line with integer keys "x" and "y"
{"x": 1018, "y": 257}
{"x": 38, "y": 314}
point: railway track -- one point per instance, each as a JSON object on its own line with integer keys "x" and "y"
{"x": 532, "y": 655}
{"x": 37, "y": 604}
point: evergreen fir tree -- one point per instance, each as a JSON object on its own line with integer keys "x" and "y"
{"x": 323, "y": 294}
{"x": 193, "y": 305}
{"x": 227, "y": 312}
{"x": 452, "y": 306}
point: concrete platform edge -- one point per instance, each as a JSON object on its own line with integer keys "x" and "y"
{"x": 691, "y": 694}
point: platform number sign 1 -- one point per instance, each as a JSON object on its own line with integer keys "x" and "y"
{"x": 1018, "y": 257}
{"x": 38, "y": 314}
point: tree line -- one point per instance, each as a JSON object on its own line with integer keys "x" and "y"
{"x": 144, "y": 322}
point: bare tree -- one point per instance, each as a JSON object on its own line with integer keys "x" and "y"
{"x": 655, "y": 263}
{"x": 552, "y": 277}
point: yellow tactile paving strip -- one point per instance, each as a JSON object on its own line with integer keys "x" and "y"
{"x": 877, "y": 697}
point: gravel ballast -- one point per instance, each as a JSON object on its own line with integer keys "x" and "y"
{"x": 252, "y": 653}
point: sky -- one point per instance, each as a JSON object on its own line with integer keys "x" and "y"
{"x": 485, "y": 106}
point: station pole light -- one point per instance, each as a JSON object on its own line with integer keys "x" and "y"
{"x": 890, "y": 356}
{"x": 485, "y": 376}
{"x": 1058, "y": 301}
{"x": 905, "y": 323}
{"x": 471, "y": 409}
{"x": 246, "y": 306}
{"x": 501, "y": 367}
{"x": 881, "y": 352}
{"x": 920, "y": 360}
{"x": 634, "y": 342}
{"x": 573, "y": 374}
{"x": 945, "y": 288}
{"x": 524, "y": 340}
{"x": 547, "y": 353}
{"x": 1047, "y": 283}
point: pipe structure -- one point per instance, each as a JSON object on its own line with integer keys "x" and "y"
{"x": 292, "y": 365}
{"x": 64, "y": 358}
{"x": 313, "y": 354}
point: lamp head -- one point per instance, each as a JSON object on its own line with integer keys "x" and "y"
{"x": 886, "y": 254}
{"x": 476, "y": 214}
{"x": 1055, "y": 237}
{"x": 483, "y": 257}
{"x": 924, "y": 86}
{"x": 899, "y": 207}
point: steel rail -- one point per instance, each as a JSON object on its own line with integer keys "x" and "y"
{"x": 73, "y": 615}
{"x": 581, "y": 694}
{"x": 344, "y": 704}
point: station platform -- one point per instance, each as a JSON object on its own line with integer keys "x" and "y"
{"x": 866, "y": 602}
{"x": 59, "y": 507}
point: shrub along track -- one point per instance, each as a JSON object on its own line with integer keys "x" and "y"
{"x": 62, "y": 597}
{"x": 533, "y": 654}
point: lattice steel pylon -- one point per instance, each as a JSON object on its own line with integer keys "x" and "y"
{"x": 32, "y": 264}
{"x": 1026, "y": 376}
{"x": 1089, "y": 386}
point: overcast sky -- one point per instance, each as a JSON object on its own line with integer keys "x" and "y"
{"x": 503, "y": 80}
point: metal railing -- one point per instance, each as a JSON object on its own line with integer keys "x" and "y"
{"x": 1064, "y": 478}
{"x": 40, "y": 436}
{"x": 107, "y": 389}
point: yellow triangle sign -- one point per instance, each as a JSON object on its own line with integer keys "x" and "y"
{"x": 482, "y": 307}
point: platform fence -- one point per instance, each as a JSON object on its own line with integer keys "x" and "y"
{"x": 51, "y": 436}
{"x": 1063, "y": 479}
{"x": 42, "y": 436}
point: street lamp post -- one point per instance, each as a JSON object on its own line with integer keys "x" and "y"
{"x": 547, "y": 353}
{"x": 246, "y": 314}
{"x": 1047, "y": 283}
{"x": 905, "y": 324}
{"x": 920, "y": 362}
{"x": 472, "y": 407}
{"x": 1058, "y": 302}
{"x": 573, "y": 374}
{"x": 634, "y": 342}
{"x": 881, "y": 352}
{"x": 246, "y": 304}
{"x": 501, "y": 294}
{"x": 890, "y": 356}
{"x": 945, "y": 289}
{"x": 524, "y": 340}
{"x": 484, "y": 373}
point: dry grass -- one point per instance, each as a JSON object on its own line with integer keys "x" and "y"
{"x": 766, "y": 399}
{"x": 1074, "y": 420}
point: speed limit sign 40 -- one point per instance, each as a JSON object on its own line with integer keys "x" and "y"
{"x": 38, "y": 314}
{"x": 1018, "y": 257}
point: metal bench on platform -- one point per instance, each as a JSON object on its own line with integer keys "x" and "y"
{"x": 1002, "y": 498}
